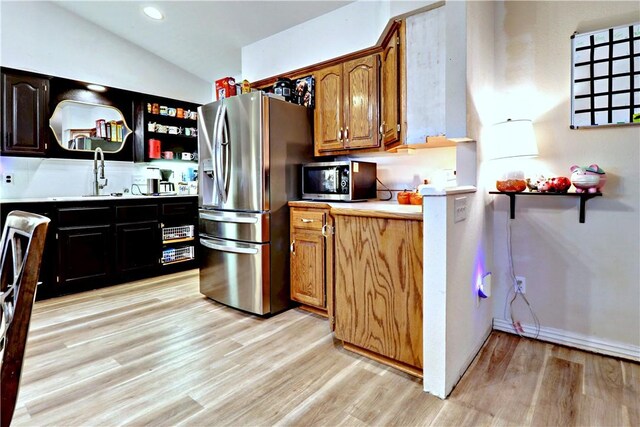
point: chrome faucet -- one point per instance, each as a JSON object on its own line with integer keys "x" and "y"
{"x": 97, "y": 186}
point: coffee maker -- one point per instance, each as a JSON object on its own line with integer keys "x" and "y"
{"x": 165, "y": 185}
{"x": 153, "y": 181}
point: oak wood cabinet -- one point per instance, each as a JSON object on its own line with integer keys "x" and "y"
{"x": 378, "y": 288}
{"x": 25, "y": 101}
{"x": 390, "y": 107}
{"x": 311, "y": 259}
{"x": 347, "y": 113}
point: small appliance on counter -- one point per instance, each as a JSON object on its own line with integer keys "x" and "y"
{"x": 345, "y": 181}
{"x": 153, "y": 181}
{"x": 165, "y": 185}
{"x": 283, "y": 86}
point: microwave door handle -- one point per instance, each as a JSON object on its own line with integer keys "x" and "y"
{"x": 336, "y": 182}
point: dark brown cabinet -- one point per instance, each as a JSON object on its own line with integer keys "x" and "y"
{"x": 83, "y": 255}
{"x": 95, "y": 243}
{"x": 174, "y": 125}
{"x": 84, "y": 243}
{"x": 137, "y": 247}
{"x": 24, "y": 114}
{"x": 137, "y": 240}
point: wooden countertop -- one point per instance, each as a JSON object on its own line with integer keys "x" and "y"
{"x": 374, "y": 209}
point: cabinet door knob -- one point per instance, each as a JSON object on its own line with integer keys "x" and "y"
{"x": 292, "y": 248}
{"x": 346, "y": 134}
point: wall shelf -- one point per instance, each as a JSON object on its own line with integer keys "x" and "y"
{"x": 583, "y": 199}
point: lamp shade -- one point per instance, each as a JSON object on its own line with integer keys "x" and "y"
{"x": 513, "y": 138}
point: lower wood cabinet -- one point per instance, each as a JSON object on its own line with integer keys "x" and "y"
{"x": 138, "y": 247}
{"x": 96, "y": 243}
{"x": 311, "y": 259}
{"x": 84, "y": 254}
{"x": 378, "y": 288}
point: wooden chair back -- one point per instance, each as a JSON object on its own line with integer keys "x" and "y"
{"x": 21, "y": 248}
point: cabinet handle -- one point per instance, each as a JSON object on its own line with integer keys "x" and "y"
{"x": 292, "y": 248}
{"x": 382, "y": 127}
{"x": 324, "y": 230}
{"x": 306, "y": 221}
{"x": 346, "y": 134}
{"x": 340, "y": 134}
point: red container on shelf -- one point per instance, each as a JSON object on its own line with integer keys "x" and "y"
{"x": 154, "y": 148}
{"x": 225, "y": 87}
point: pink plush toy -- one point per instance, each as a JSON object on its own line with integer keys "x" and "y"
{"x": 588, "y": 179}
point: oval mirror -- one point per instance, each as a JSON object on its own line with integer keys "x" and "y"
{"x": 82, "y": 126}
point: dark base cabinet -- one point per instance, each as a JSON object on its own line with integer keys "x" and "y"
{"x": 83, "y": 256}
{"x": 138, "y": 248}
{"x": 100, "y": 243}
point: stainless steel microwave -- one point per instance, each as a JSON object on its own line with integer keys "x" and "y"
{"x": 346, "y": 181}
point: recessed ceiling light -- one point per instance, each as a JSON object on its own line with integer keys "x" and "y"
{"x": 153, "y": 13}
{"x": 97, "y": 88}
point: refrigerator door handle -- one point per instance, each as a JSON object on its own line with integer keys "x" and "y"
{"x": 218, "y": 154}
{"x": 225, "y": 152}
{"x": 223, "y": 218}
{"x": 208, "y": 243}
{"x": 214, "y": 149}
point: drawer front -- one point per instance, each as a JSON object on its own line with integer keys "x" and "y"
{"x": 179, "y": 209}
{"x": 79, "y": 216}
{"x": 136, "y": 213}
{"x": 307, "y": 219}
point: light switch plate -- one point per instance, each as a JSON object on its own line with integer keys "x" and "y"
{"x": 460, "y": 209}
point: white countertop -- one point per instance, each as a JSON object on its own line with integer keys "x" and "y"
{"x": 392, "y": 208}
{"x": 90, "y": 198}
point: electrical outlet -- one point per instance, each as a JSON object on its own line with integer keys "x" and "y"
{"x": 138, "y": 180}
{"x": 8, "y": 178}
{"x": 460, "y": 209}
{"x": 521, "y": 285}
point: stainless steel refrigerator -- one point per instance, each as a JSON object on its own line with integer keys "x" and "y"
{"x": 250, "y": 149}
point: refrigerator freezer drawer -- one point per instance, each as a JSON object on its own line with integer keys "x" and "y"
{"x": 236, "y": 274}
{"x": 249, "y": 227}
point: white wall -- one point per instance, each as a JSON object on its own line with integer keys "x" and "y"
{"x": 582, "y": 279}
{"x": 348, "y": 29}
{"x": 44, "y": 38}
{"x": 353, "y": 27}
{"x": 459, "y": 254}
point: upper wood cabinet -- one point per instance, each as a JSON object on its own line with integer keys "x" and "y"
{"x": 24, "y": 114}
{"x": 347, "y": 114}
{"x": 390, "y": 90}
{"x": 328, "y": 128}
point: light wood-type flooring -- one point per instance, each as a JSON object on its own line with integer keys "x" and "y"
{"x": 156, "y": 352}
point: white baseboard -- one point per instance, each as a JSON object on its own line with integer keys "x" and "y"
{"x": 572, "y": 339}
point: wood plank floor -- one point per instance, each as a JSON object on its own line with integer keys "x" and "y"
{"x": 156, "y": 352}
